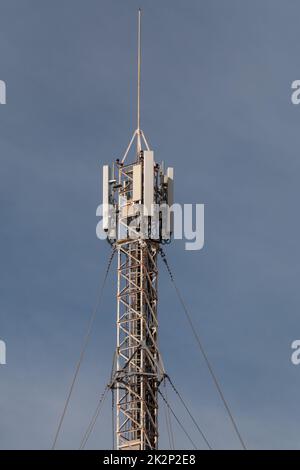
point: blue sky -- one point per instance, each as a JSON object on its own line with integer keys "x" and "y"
{"x": 215, "y": 105}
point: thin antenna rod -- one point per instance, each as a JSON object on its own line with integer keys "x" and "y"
{"x": 139, "y": 71}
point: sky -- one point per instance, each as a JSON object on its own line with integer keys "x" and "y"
{"x": 216, "y": 105}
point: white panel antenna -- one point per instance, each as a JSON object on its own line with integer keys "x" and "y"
{"x": 105, "y": 200}
{"x": 148, "y": 182}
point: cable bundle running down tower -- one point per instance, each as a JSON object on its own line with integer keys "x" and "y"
{"x": 136, "y": 200}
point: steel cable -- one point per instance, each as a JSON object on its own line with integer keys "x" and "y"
{"x": 189, "y": 413}
{"x": 177, "y": 419}
{"x": 83, "y": 349}
{"x": 168, "y": 420}
{"x": 93, "y": 420}
{"x": 203, "y": 352}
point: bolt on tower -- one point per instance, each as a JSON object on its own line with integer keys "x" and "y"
{"x": 137, "y": 197}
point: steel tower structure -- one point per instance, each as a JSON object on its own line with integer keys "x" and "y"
{"x": 136, "y": 198}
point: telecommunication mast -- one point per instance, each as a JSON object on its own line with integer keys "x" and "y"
{"x": 137, "y": 196}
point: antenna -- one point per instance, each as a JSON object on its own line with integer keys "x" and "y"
{"x": 138, "y": 130}
{"x": 138, "y": 133}
{"x": 136, "y": 230}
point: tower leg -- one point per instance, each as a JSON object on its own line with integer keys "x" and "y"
{"x": 138, "y": 372}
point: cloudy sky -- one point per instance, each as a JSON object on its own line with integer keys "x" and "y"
{"x": 216, "y": 105}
